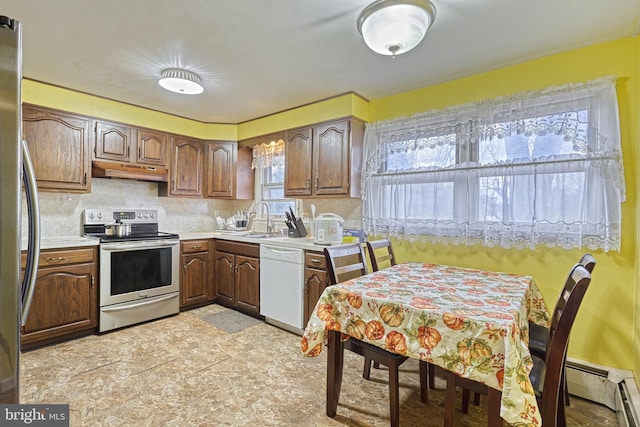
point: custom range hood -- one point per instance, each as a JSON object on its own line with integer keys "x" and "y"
{"x": 102, "y": 169}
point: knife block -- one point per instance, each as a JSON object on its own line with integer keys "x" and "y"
{"x": 297, "y": 229}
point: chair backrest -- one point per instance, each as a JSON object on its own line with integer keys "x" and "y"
{"x": 589, "y": 263}
{"x": 345, "y": 262}
{"x": 385, "y": 253}
{"x": 561, "y": 324}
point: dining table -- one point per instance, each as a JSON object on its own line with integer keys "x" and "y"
{"x": 472, "y": 322}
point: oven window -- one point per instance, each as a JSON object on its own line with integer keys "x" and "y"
{"x": 133, "y": 271}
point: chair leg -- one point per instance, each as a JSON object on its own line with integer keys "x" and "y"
{"x": 465, "y": 400}
{"x": 394, "y": 395}
{"x": 366, "y": 369}
{"x": 493, "y": 405}
{"x": 432, "y": 376}
{"x": 424, "y": 391}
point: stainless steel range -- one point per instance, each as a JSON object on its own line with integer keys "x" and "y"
{"x": 139, "y": 277}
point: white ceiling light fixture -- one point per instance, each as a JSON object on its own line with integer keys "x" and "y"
{"x": 393, "y": 27}
{"x": 181, "y": 81}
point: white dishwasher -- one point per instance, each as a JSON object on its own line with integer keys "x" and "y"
{"x": 282, "y": 286}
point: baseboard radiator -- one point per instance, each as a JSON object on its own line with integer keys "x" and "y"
{"x": 614, "y": 388}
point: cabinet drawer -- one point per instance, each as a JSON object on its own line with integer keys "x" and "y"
{"x": 192, "y": 246}
{"x": 239, "y": 248}
{"x": 315, "y": 260}
{"x": 62, "y": 257}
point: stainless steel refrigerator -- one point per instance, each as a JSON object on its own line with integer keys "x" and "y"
{"x": 16, "y": 290}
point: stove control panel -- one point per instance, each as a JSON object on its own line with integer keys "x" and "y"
{"x": 108, "y": 216}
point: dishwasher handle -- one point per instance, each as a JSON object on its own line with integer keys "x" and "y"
{"x": 281, "y": 253}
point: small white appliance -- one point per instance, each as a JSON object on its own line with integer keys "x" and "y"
{"x": 327, "y": 229}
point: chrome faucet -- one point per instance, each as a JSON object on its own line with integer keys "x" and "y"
{"x": 269, "y": 225}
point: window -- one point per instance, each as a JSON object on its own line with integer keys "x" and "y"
{"x": 533, "y": 168}
{"x": 269, "y": 160}
{"x": 273, "y": 190}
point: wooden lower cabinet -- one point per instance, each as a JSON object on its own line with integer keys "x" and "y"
{"x": 196, "y": 277}
{"x": 237, "y": 276}
{"x": 316, "y": 279}
{"x": 65, "y": 300}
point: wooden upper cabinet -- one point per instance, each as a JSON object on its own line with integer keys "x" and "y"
{"x": 152, "y": 147}
{"x": 331, "y": 162}
{"x": 59, "y": 144}
{"x": 112, "y": 141}
{"x": 324, "y": 160}
{"x": 121, "y": 143}
{"x": 221, "y": 169}
{"x": 298, "y": 162}
{"x": 185, "y": 172}
{"x": 228, "y": 172}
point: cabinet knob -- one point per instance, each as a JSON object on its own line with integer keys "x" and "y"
{"x": 315, "y": 261}
{"x": 55, "y": 259}
{"x": 317, "y": 182}
{"x": 308, "y": 183}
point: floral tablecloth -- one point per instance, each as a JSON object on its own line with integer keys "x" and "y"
{"x": 471, "y": 322}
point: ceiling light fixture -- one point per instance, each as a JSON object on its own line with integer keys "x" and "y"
{"x": 393, "y": 27}
{"x": 181, "y": 81}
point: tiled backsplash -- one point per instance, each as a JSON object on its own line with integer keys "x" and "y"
{"x": 61, "y": 212}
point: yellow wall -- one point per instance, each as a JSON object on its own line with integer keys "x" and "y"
{"x": 636, "y": 352}
{"x": 341, "y": 106}
{"x": 604, "y": 330}
{"x": 76, "y": 102}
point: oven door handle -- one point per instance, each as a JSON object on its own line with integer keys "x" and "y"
{"x": 131, "y": 246}
{"x": 138, "y": 304}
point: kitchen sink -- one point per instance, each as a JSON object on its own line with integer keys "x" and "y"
{"x": 260, "y": 235}
{"x": 245, "y": 233}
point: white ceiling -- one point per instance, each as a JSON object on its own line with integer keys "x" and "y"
{"x": 257, "y": 57}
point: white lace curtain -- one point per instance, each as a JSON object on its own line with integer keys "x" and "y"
{"x": 266, "y": 155}
{"x": 541, "y": 167}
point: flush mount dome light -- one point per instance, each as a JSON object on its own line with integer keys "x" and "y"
{"x": 181, "y": 81}
{"x": 393, "y": 27}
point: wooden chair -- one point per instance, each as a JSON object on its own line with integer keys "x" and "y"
{"x": 538, "y": 334}
{"x": 348, "y": 262}
{"x": 546, "y": 376}
{"x": 387, "y": 254}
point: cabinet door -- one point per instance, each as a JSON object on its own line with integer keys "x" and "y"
{"x": 248, "y": 283}
{"x": 64, "y": 301}
{"x": 186, "y": 168}
{"x": 221, "y": 169}
{"x": 152, "y": 147}
{"x": 315, "y": 282}
{"x": 331, "y": 163}
{"x": 224, "y": 277}
{"x": 195, "y": 279}
{"x": 112, "y": 141}
{"x": 298, "y": 162}
{"x": 59, "y": 148}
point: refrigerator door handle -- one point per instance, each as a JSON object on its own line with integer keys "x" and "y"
{"x": 33, "y": 249}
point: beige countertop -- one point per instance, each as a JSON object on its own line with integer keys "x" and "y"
{"x": 300, "y": 243}
{"x": 63, "y": 242}
{"x": 77, "y": 241}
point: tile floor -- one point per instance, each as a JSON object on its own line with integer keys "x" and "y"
{"x": 183, "y": 371}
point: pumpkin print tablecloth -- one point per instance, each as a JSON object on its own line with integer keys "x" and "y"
{"x": 471, "y": 322}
